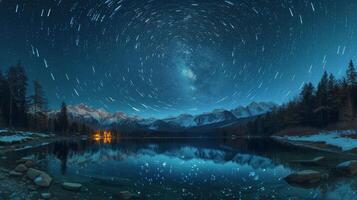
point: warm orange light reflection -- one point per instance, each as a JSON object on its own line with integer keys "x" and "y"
{"x": 97, "y": 137}
{"x": 106, "y": 136}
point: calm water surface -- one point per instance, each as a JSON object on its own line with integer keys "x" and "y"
{"x": 184, "y": 169}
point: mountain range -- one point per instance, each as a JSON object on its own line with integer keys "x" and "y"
{"x": 100, "y": 118}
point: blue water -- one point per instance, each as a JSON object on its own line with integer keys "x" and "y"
{"x": 189, "y": 169}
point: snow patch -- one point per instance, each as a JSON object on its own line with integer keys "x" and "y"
{"x": 19, "y": 136}
{"x": 334, "y": 138}
{"x": 13, "y": 138}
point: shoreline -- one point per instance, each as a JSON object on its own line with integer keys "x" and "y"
{"x": 314, "y": 145}
{"x": 24, "y": 188}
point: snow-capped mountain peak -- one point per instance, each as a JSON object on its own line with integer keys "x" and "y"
{"x": 102, "y": 118}
{"x": 254, "y": 109}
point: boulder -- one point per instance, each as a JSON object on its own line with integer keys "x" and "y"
{"x": 39, "y": 177}
{"x": 43, "y": 180}
{"x": 72, "y": 186}
{"x": 126, "y": 195}
{"x": 33, "y": 173}
{"x": 304, "y": 177}
{"x": 20, "y": 168}
{"x": 348, "y": 168}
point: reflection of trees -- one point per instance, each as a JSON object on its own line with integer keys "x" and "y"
{"x": 216, "y": 150}
{"x": 205, "y": 150}
{"x": 61, "y": 152}
{"x": 62, "y": 149}
{"x": 258, "y": 153}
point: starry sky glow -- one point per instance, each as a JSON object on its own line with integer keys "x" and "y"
{"x": 166, "y": 57}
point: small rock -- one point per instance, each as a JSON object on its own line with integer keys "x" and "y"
{"x": 31, "y": 187}
{"x": 304, "y": 177}
{"x": 43, "y": 180}
{"x": 30, "y": 163}
{"x": 13, "y": 173}
{"x": 33, "y": 173}
{"x": 20, "y": 168}
{"x": 46, "y": 195}
{"x": 315, "y": 161}
{"x": 71, "y": 186}
{"x": 126, "y": 195}
{"x": 348, "y": 168}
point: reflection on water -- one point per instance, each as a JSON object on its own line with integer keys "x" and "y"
{"x": 194, "y": 169}
{"x": 104, "y": 136}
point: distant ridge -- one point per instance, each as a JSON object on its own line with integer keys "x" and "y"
{"x": 100, "y": 118}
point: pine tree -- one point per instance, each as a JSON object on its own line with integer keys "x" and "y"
{"x": 352, "y": 82}
{"x": 322, "y": 104}
{"x": 4, "y": 100}
{"x": 17, "y": 80}
{"x": 307, "y": 96}
{"x": 74, "y": 128}
{"x": 38, "y": 106}
{"x": 63, "y": 118}
{"x": 38, "y": 101}
{"x": 344, "y": 83}
{"x": 332, "y": 99}
{"x": 351, "y": 75}
{"x": 322, "y": 89}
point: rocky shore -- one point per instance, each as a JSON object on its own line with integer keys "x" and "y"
{"x": 311, "y": 178}
{"x": 29, "y": 180}
{"x": 25, "y": 181}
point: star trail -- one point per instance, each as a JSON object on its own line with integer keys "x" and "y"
{"x": 166, "y": 57}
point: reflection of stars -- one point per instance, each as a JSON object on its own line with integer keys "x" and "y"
{"x": 193, "y": 88}
{"x": 186, "y": 52}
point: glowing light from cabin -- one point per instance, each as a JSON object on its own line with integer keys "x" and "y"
{"x": 105, "y": 136}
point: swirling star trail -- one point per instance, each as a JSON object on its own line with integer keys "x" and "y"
{"x": 160, "y": 58}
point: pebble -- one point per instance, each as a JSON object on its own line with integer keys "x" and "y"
{"x": 46, "y": 195}
{"x": 71, "y": 186}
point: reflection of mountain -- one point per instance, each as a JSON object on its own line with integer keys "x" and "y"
{"x": 256, "y": 162}
{"x": 101, "y": 118}
{"x": 184, "y": 153}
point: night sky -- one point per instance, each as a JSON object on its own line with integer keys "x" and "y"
{"x": 166, "y": 57}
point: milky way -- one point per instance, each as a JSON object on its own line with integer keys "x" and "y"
{"x": 165, "y": 57}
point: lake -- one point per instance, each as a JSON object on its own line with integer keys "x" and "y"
{"x": 178, "y": 168}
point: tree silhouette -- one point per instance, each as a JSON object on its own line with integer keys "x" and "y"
{"x": 333, "y": 102}
{"x": 351, "y": 75}
{"x": 63, "y": 118}
{"x": 38, "y": 107}
{"x": 17, "y": 81}
{"x": 4, "y": 100}
{"x": 308, "y": 101}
